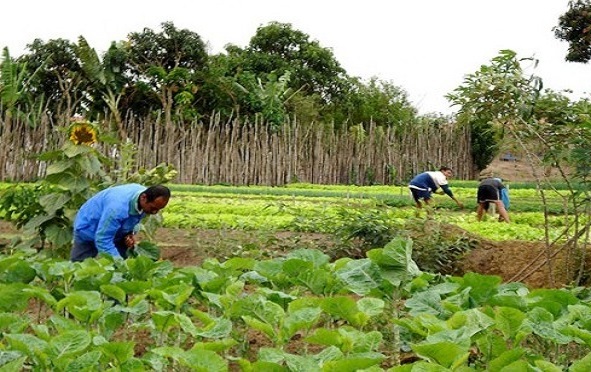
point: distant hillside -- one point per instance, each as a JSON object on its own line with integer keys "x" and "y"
{"x": 519, "y": 170}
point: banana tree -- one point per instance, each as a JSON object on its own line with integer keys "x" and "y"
{"x": 105, "y": 78}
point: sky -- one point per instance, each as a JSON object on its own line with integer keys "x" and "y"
{"x": 425, "y": 47}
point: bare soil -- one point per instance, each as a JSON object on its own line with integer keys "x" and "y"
{"x": 521, "y": 171}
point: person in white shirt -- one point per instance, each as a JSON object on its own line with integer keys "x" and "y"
{"x": 423, "y": 185}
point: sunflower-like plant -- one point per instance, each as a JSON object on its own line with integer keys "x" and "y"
{"x": 83, "y": 133}
{"x": 74, "y": 173}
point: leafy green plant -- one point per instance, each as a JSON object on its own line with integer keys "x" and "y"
{"x": 435, "y": 248}
{"x": 373, "y": 227}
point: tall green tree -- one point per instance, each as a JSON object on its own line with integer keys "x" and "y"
{"x": 491, "y": 98}
{"x": 381, "y": 102}
{"x": 15, "y": 93}
{"x": 574, "y": 27}
{"x": 57, "y": 78}
{"x": 106, "y": 81}
{"x": 278, "y": 47}
{"x": 166, "y": 66}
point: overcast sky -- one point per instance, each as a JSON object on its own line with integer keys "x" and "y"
{"x": 425, "y": 47}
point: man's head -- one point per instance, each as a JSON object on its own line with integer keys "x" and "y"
{"x": 446, "y": 171}
{"x": 153, "y": 199}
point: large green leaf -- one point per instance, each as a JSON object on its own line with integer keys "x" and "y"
{"x": 71, "y": 150}
{"x": 295, "y": 266}
{"x": 541, "y": 322}
{"x": 342, "y": 307}
{"x": 177, "y": 295}
{"x": 470, "y": 322}
{"x": 508, "y": 320}
{"x": 69, "y": 343}
{"x": 328, "y": 337}
{"x": 482, "y": 287}
{"x": 319, "y": 281}
{"x": 360, "y": 276}
{"x": 114, "y": 292}
{"x": 218, "y": 329}
{"x": 354, "y": 362}
{"x": 316, "y": 257}
{"x": 445, "y": 353}
{"x": 298, "y": 363}
{"x": 426, "y": 302}
{"x": 70, "y": 181}
{"x": 84, "y": 305}
{"x": 54, "y": 201}
{"x": 58, "y": 167}
{"x": 147, "y": 249}
{"x": 59, "y": 236}
{"x": 357, "y": 341}
{"x": 141, "y": 267}
{"x": 13, "y": 323}
{"x": 12, "y": 297}
{"x": 26, "y": 343}
{"x": 16, "y": 270}
{"x": 581, "y": 365}
{"x": 555, "y": 301}
{"x": 120, "y": 351}
{"x": 506, "y": 359}
{"x": 15, "y": 365}
{"x": 301, "y": 319}
{"x": 8, "y": 357}
{"x": 265, "y": 328}
{"x": 41, "y": 293}
{"x": 203, "y": 361}
{"x": 371, "y": 306}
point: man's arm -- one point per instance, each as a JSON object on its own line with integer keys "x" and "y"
{"x": 447, "y": 190}
{"x": 105, "y": 234}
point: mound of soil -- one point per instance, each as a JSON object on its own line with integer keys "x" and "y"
{"x": 518, "y": 261}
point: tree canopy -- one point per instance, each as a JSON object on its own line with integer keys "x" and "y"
{"x": 574, "y": 27}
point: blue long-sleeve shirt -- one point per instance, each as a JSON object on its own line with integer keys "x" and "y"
{"x": 108, "y": 216}
{"x": 431, "y": 181}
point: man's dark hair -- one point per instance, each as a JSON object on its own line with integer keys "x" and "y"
{"x": 156, "y": 191}
{"x": 444, "y": 168}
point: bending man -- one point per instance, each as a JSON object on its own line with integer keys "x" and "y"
{"x": 426, "y": 183}
{"x": 107, "y": 222}
{"x": 490, "y": 191}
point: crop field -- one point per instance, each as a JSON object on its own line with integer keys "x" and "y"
{"x": 316, "y": 208}
{"x": 299, "y": 311}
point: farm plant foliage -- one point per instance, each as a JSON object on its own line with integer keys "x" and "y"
{"x": 308, "y": 313}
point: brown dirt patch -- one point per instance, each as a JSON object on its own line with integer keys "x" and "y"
{"x": 518, "y": 261}
{"x": 521, "y": 170}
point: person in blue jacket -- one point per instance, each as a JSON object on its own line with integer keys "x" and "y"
{"x": 423, "y": 185}
{"x": 107, "y": 222}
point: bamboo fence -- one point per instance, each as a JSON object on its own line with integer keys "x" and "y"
{"x": 238, "y": 153}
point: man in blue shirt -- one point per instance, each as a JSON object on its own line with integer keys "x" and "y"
{"x": 423, "y": 185}
{"x": 106, "y": 223}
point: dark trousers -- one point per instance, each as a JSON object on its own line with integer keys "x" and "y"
{"x": 82, "y": 250}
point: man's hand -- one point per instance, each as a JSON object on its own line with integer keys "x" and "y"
{"x": 129, "y": 241}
